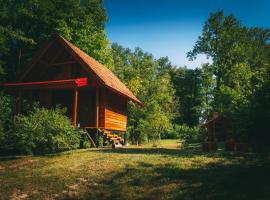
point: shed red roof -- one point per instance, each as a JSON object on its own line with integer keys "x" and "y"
{"x": 105, "y": 76}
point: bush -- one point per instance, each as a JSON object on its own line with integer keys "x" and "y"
{"x": 184, "y": 132}
{"x": 44, "y": 131}
{"x": 6, "y": 111}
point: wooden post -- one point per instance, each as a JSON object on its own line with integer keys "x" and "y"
{"x": 31, "y": 100}
{"x": 75, "y": 110}
{"x": 97, "y": 117}
{"x": 93, "y": 144}
{"x": 97, "y": 107}
{"x": 214, "y": 131}
{"x": 19, "y": 105}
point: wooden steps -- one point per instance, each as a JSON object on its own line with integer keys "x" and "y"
{"x": 115, "y": 139}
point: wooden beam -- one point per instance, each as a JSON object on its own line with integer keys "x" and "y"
{"x": 43, "y": 62}
{"x": 104, "y": 106}
{"x": 64, "y": 63}
{"x": 97, "y": 107}
{"x": 93, "y": 144}
{"x": 37, "y": 56}
{"x": 75, "y": 110}
{"x": 57, "y": 84}
{"x": 46, "y": 65}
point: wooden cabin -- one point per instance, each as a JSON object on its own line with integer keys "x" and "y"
{"x": 62, "y": 74}
{"x": 219, "y": 127}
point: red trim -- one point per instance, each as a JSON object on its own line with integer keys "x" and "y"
{"x": 82, "y": 82}
{"x": 79, "y": 82}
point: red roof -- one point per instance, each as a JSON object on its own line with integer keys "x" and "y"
{"x": 217, "y": 117}
{"x": 104, "y": 75}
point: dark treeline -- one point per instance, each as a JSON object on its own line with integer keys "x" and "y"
{"x": 236, "y": 82}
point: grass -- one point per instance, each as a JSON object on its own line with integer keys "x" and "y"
{"x": 142, "y": 172}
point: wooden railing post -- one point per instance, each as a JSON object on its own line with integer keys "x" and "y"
{"x": 75, "y": 110}
{"x": 97, "y": 107}
{"x": 19, "y": 104}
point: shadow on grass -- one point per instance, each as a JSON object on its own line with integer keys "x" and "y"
{"x": 188, "y": 152}
{"x": 244, "y": 180}
{"x": 7, "y": 158}
{"x": 180, "y": 176}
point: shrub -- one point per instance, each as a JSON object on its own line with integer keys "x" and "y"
{"x": 44, "y": 131}
{"x": 184, "y": 132}
{"x": 6, "y": 111}
{"x": 191, "y": 133}
{"x": 100, "y": 140}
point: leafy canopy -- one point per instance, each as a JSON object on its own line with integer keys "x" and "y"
{"x": 150, "y": 80}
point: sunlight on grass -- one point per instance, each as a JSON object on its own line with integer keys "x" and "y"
{"x": 137, "y": 172}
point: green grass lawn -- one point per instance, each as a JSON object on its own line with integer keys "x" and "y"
{"x": 143, "y": 172}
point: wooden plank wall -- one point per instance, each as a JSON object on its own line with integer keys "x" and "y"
{"x": 102, "y": 101}
{"x": 45, "y": 98}
{"x": 115, "y": 112}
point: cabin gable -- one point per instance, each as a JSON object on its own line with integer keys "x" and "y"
{"x": 56, "y": 63}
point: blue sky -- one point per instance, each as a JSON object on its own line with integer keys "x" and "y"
{"x": 171, "y": 27}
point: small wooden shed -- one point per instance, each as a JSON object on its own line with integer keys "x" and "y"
{"x": 219, "y": 127}
{"x": 62, "y": 74}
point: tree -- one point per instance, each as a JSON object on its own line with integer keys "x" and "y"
{"x": 239, "y": 59}
{"x": 259, "y": 116}
{"x": 208, "y": 86}
{"x": 25, "y": 25}
{"x": 188, "y": 86}
{"x": 238, "y": 77}
{"x": 6, "y": 110}
{"x": 152, "y": 85}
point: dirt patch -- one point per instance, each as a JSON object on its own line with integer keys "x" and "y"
{"x": 2, "y": 168}
{"x": 18, "y": 195}
{"x": 23, "y": 164}
{"x": 73, "y": 187}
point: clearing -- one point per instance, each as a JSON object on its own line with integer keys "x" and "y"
{"x": 144, "y": 172}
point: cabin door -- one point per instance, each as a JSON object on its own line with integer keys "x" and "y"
{"x": 86, "y": 108}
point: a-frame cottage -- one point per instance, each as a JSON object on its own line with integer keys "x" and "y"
{"x": 61, "y": 73}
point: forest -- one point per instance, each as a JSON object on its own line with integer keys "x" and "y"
{"x": 46, "y": 155}
{"x": 177, "y": 99}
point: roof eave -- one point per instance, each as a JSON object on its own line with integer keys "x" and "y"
{"x": 124, "y": 95}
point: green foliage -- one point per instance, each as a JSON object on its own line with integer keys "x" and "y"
{"x": 237, "y": 80}
{"x": 253, "y": 120}
{"x": 236, "y": 83}
{"x": 207, "y": 91}
{"x": 239, "y": 55}
{"x": 184, "y": 132}
{"x": 150, "y": 81}
{"x": 26, "y": 25}
{"x": 43, "y": 131}
{"x": 100, "y": 140}
{"x": 188, "y": 86}
{"x": 6, "y": 110}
